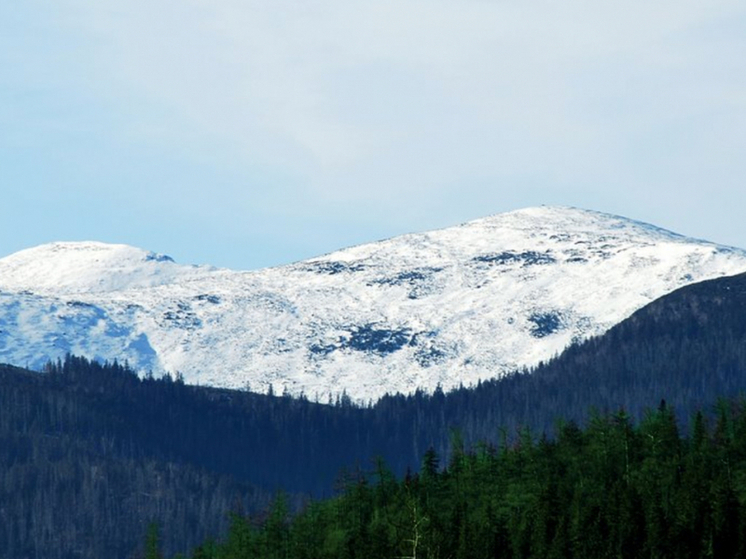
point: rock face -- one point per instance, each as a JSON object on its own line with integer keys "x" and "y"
{"x": 446, "y": 307}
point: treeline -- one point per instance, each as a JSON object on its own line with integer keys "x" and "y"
{"x": 125, "y": 450}
{"x": 612, "y": 489}
{"x": 79, "y": 479}
{"x": 688, "y": 347}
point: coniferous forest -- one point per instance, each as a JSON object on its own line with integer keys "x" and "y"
{"x": 613, "y": 489}
{"x": 92, "y": 454}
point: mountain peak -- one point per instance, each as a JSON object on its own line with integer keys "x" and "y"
{"x": 444, "y": 307}
{"x": 569, "y": 219}
{"x": 566, "y": 232}
{"x": 85, "y": 266}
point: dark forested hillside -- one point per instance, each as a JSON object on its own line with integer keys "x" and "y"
{"x": 80, "y": 479}
{"x": 688, "y": 347}
{"x": 613, "y": 489}
{"x": 89, "y": 454}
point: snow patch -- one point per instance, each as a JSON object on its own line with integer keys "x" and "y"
{"x": 445, "y": 307}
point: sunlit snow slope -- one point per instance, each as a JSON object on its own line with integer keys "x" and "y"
{"x": 445, "y": 307}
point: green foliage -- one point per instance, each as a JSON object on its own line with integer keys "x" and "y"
{"x": 611, "y": 490}
{"x": 152, "y": 543}
{"x": 88, "y": 451}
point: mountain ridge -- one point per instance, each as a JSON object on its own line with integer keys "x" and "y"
{"x": 445, "y": 307}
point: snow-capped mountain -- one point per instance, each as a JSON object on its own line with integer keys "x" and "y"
{"x": 446, "y": 307}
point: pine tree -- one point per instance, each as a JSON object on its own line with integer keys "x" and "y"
{"x": 153, "y": 542}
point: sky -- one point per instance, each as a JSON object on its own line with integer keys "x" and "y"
{"x": 247, "y": 134}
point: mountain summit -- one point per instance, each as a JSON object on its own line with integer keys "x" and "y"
{"x": 445, "y": 307}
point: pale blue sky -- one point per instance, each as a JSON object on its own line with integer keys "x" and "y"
{"x": 248, "y": 134}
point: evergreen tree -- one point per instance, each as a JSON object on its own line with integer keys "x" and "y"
{"x": 153, "y": 543}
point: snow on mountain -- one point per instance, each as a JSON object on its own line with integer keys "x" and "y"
{"x": 446, "y": 307}
{"x": 88, "y": 267}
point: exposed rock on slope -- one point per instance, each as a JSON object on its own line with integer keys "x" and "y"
{"x": 444, "y": 307}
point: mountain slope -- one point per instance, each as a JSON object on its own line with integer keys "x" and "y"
{"x": 445, "y": 307}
